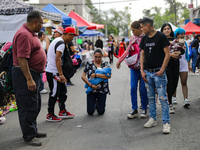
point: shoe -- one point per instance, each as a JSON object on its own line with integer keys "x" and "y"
{"x": 171, "y": 109}
{"x": 150, "y": 123}
{"x": 70, "y": 84}
{"x": 2, "y": 120}
{"x": 44, "y": 91}
{"x": 34, "y": 142}
{"x": 40, "y": 135}
{"x": 144, "y": 113}
{"x": 166, "y": 128}
{"x": 53, "y": 118}
{"x": 174, "y": 100}
{"x": 132, "y": 114}
{"x": 65, "y": 114}
{"x": 140, "y": 106}
{"x": 186, "y": 103}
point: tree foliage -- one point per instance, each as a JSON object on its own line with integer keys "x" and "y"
{"x": 175, "y": 11}
{"x": 117, "y": 21}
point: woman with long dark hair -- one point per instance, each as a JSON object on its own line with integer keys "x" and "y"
{"x": 173, "y": 65}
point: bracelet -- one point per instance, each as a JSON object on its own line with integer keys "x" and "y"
{"x": 91, "y": 85}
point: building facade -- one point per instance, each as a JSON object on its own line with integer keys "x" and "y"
{"x": 66, "y": 6}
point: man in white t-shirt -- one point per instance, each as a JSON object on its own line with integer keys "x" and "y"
{"x": 55, "y": 77}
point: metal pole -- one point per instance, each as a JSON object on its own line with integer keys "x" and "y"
{"x": 106, "y": 26}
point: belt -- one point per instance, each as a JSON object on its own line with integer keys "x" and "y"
{"x": 153, "y": 70}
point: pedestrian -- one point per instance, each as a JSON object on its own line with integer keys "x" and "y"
{"x": 194, "y": 47}
{"x": 173, "y": 65}
{"x": 29, "y": 60}
{"x": 99, "y": 43}
{"x": 56, "y": 79}
{"x": 96, "y": 99}
{"x": 153, "y": 62}
{"x": 72, "y": 51}
{"x": 111, "y": 47}
{"x": 122, "y": 47}
{"x": 135, "y": 75}
{"x": 183, "y": 69}
{"x": 44, "y": 40}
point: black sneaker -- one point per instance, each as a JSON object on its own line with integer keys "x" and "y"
{"x": 34, "y": 142}
{"x": 132, "y": 114}
{"x": 144, "y": 113}
{"x": 40, "y": 135}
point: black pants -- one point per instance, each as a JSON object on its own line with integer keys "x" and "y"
{"x": 57, "y": 90}
{"x": 96, "y": 100}
{"x": 28, "y": 103}
{"x": 110, "y": 55}
{"x": 172, "y": 77}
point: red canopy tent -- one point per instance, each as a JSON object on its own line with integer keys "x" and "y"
{"x": 82, "y": 22}
{"x": 191, "y": 27}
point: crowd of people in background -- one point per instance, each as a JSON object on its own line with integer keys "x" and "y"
{"x": 156, "y": 60}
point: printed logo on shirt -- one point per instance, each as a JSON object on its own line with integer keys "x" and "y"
{"x": 150, "y": 44}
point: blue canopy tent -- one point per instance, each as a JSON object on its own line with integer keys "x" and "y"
{"x": 67, "y": 20}
{"x": 91, "y": 33}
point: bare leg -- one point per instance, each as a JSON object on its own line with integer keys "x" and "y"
{"x": 184, "y": 76}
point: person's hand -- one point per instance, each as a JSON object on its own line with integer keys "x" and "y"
{"x": 190, "y": 69}
{"x": 143, "y": 74}
{"x": 93, "y": 75}
{"x": 118, "y": 65}
{"x": 46, "y": 39}
{"x": 95, "y": 87}
{"x": 31, "y": 85}
{"x": 175, "y": 55}
{"x": 63, "y": 79}
{"x": 159, "y": 73}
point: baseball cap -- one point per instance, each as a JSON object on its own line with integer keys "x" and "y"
{"x": 70, "y": 30}
{"x": 59, "y": 29}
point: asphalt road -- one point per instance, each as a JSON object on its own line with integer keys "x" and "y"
{"x": 112, "y": 131}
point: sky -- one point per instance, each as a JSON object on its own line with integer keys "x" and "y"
{"x": 136, "y": 6}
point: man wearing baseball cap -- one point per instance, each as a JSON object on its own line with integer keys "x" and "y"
{"x": 58, "y": 32}
{"x": 57, "y": 88}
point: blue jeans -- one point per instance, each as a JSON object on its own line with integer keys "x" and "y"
{"x": 96, "y": 100}
{"x": 194, "y": 59}
{"x": 135, "y": 77}
{"x": 159, "y": 83}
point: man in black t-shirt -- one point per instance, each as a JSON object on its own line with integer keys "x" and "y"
{"x": 99, "y": 43}
{"x": 154, "y": 59}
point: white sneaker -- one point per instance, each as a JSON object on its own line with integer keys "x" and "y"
{"x": 2, "y": 119}
{"x": 166, "y": 128}
{"x": 44, "y": 91}
{"x": 174, "y": 100}
{"x": 150, "y": 123}
{"x": 186, "y": 103}
{"x": 171, "y": 109}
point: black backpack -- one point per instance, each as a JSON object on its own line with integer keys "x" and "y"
{"x": 67, "y": 67}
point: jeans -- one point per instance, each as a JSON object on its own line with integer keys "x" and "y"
{"x": 96, "y": 100}
{"x": 41, "y": 82}
{"x": 135, "y": 77}
{"x": 194, "y": 59}
{"x": 172, "y": 77}
{"x": 159, "y": 83}
{"x": 28, "y": 103}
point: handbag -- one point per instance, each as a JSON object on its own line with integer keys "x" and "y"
{"x": 132, "y": 60}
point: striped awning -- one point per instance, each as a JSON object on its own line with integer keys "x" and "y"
{"x": 12, "y": 7}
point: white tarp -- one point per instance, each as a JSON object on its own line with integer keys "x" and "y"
{"x": 173, "y": 27}
{"x": 9, "y": 24}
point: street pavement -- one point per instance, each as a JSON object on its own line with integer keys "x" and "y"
{"x": 112, "y": 131}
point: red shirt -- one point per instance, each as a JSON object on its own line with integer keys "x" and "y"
{"x": 26, "y": 44}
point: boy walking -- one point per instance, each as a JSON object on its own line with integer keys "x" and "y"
{"x": 154, "y": 59}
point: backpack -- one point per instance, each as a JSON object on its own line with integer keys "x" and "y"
{"x": 67, "y": 67}
{"x": 133, "y": 58}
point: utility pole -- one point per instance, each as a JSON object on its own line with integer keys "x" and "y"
{"x": 191, "y": 12}
{"x": 106, "y": 27}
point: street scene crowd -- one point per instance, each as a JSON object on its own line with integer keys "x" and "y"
{"x": 156, "y": 60}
